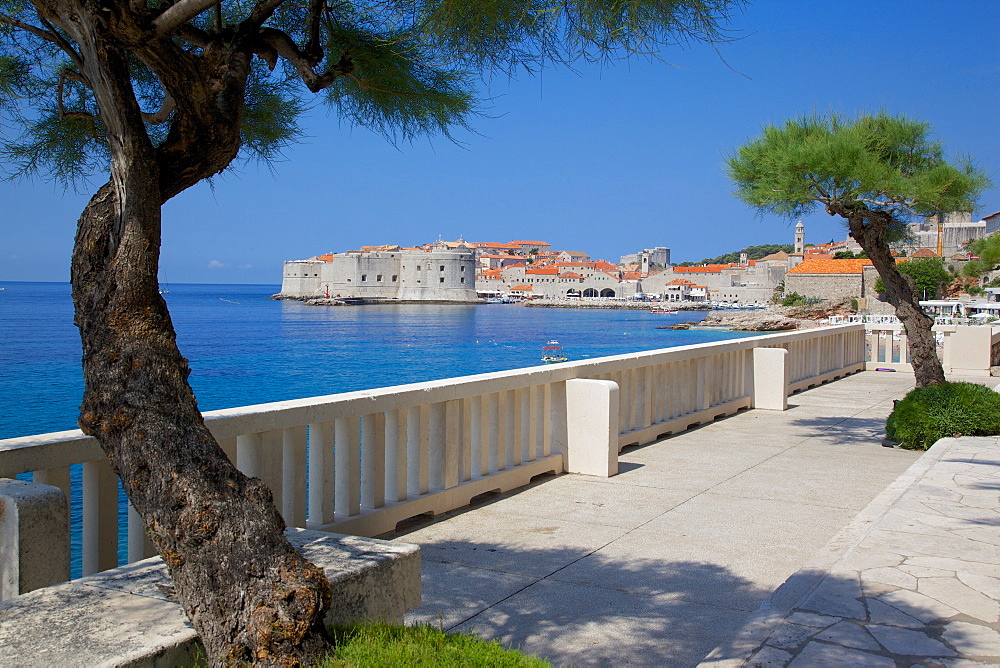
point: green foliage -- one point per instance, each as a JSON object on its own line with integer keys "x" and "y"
{"x": 988, "y": 250}
{"x": 795, "y": 299}
{"x": 975, "y": 290}
{"x": 848, "y": 255}
{"x": 949, "y": 409}
{"x": 753, "y": 253}
{"x": 878, "y": 162}
{"x": 854, "y": 304}
{"x": 400, "y": 68}
{"x": 928, "y": 273}
{"x": 388, "y": 646}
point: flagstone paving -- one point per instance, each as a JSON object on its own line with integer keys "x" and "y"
{"x": 678, "y": 553}
{"x": 913, "y": 580}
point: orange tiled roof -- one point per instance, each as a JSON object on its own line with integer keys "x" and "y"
{"x": 529, "y": 243}
{"x": 631, "y": 276}
{"x": 542, "y": 270}
{"x": 924, "y": 252}
{"x": 325, "y": 258}
{"x": 680, "y": 281}
{"x": 511, "y": 266}
{"x": 523, "y": 287}
{"x": 570, "y": 274}
{"x": 812, "y": 266}
{"x": 604, "y": 264}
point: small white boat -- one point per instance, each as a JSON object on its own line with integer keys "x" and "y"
{"x": 552, "y": 353}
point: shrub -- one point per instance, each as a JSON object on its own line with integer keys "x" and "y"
{"x": 949, "y": 409}
{"x": 794, "y": 299}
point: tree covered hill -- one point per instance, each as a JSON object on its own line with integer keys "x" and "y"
{"x": 754, "y": 253}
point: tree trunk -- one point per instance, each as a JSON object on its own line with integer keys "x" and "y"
{"x": 927, "y": 369}
{"x": 248, "y": 593}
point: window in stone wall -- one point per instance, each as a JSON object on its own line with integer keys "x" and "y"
{"x": 441, "y": 268}
{"x": 394, "y": 278}
{"x": 378, "y": 278}
{"x": 364, "y": 277}
{"x": 441, "y": 279}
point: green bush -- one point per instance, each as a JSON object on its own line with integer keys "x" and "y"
{"x": 949, "y": 409}
{"x": 795, "y": 299}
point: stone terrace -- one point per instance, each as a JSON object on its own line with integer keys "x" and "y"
{"x": 675, "y": 555}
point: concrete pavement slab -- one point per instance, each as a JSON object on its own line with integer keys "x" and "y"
{"x": 580, "y": 625}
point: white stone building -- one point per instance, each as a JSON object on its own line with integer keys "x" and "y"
{"x": 440, "y": 274}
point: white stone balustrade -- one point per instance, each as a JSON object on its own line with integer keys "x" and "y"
{"x": 360, "y": 462}
{"x": 964, "y": 350}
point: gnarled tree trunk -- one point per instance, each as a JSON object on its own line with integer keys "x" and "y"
{"x": 869, "y": 229}
{"x": 248, "y": 593}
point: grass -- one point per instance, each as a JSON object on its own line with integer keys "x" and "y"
{"x": 375, "y": 645}
{"x": 927, "y": 414}
{"x": 381, "y": 645}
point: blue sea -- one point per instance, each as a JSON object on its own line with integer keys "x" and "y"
{"x": 245, "y": 348}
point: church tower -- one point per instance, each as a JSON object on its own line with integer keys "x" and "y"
{"x": 800, "y": 238}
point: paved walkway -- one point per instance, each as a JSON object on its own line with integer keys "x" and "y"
{"x": 912, "y": 580}
{"x": 671, "y": 558}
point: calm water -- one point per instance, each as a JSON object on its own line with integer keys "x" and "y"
{"x": 245, "y": 348}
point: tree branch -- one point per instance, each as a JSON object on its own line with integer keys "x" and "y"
{"x": 49, "y": 34}
{"x": 313, "y": 50}
{"x": 162, "y": 114}
{"x": 287, "y": 49}
{"x": 177, "y": 15}
{"x": 262, "y": 11}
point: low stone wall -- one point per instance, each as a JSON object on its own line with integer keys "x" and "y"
{"x": 126, "y": 616}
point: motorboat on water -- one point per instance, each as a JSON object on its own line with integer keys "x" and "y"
{"x": 552, "y": 353}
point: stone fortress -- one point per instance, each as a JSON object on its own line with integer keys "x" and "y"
{"x": 466, "y": 272}
{"x": 386, "y": 273}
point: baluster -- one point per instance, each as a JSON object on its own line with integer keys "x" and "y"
{"x": 321, "y": 472}
{"x": 480, "y": 435}
{"x": 555, "y": 396}
{"x": 57, "y": 477}
{"x": 465, "y": 441}
{"x": 501, "y": 432}
{"x": 100, "y": 517}
{"x": 453, "y": 431}
{"x": 229, "y": 447}
{"x": 546, "y": 420}
{"x": 515, "y": 449}
{"x": 293, "y": 476}
{"x": 702, "y": 371}
{"x": 416, "y": 451}
{"x": 139, "y": 545}
{"x": 647, "y": 398}
{"x": 437, "y": 433}
{"x": 395, "y": 455}
{"x": 347, "y": 452}
{"x": 373, "y": 460}
{"x": 535, "y": 434}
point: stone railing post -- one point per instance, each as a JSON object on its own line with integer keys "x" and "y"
{"x": 771, "y": 377}
{"x": 592, "y": 427}
{"x": 34, "y": 537}
{"x": 968, "y": 351}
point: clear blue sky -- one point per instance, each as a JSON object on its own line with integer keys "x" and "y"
{"x": 606, "y": 160}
